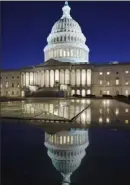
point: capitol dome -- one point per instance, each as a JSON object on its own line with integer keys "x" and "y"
{"x": 66, "y": 150}
{"x": 66, "y": 42}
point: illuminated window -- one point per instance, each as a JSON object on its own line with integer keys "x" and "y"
{"x": 100, "y": 73}
{"x": 108, "y": 73}
{"x": 117, "y": 81}
{"x": 117, "y": 111}
{"x": 126, "y": 92}
{"x": 107, "y": 120}
{"x": 100, "y": 120}
{"x": 126, "y": 72}
{"x": 108, "y": 83}
{"x": 126, "y": 121}
{"x": 126, "y": 83}
{"x": 126, "y": 110}
{"x": 7, "y": 84}
{"x": 101, "y": 82}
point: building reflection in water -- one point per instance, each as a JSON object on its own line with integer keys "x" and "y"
{"x": 101, "y": 111}
{"x": 66, "y": 150}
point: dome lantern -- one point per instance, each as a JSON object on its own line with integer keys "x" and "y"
{"x": 66, "y": 11}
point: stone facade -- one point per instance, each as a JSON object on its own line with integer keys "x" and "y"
{"x": 67, "y": 67}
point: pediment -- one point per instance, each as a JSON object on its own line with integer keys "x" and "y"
{"x": 52, "y": 62}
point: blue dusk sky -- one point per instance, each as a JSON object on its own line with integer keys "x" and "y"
{"x": 26, "y": 25}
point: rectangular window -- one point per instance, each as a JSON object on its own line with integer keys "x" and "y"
{"x": 7, "y": 84}
{"x": 108, "y": 83}
{"x": 117, "y": 81}
{"x": 100, "y": 73}
{"x": 126, "y": 92}
{"x": 12, "y": 76}
{"x": 108, "y": 73}
{"x": 12, "y": 84}
{"x": 101, "y": 82}
{"x": 12, "y": 92}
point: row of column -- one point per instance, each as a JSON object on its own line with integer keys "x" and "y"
{"x": 73, "y": 139}
{"x": 57, "y": 53}
{"x": 49, "y": 77}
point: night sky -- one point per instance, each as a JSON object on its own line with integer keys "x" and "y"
{"x": 26, "y": 25}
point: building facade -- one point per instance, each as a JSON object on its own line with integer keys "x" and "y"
{"x": 66, "y": 67}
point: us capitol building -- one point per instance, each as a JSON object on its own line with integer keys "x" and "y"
{"x": 66, "y": 68}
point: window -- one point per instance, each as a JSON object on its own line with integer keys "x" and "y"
{"x": 12, "y": 76}
{"x": 126, "y": 121}
{"x": 6, "y": 77}
{"x": 117, "y": 81}
{"x": 12, "y": 84}
{"x": 100, "y": 82}
{"x": 17, "y": 84}
{"x": 126, "y": 72}
{"x": 12, "y": 92}
{"x": 108, "y": 73}
{"x": 7, "y": 84}
{"x": 117, "y": 73}
{"x": 108, "y": 83}
{"x": 100, "y": 92}
{"x": 0, "y": 77}
{"x": 126, "y": 83}
{"x": 17, "y": 76}
{"x": 100, "y": 73}
{"x": 126, "y": 92}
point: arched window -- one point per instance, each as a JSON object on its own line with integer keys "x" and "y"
{"x": 72, "y": 92}
{"x": 83, "y": 92}
{"x": 88, "y": 91}
{"x": 78, "y": 91}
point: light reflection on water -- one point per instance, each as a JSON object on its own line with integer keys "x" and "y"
{"x": 100, "y": 111}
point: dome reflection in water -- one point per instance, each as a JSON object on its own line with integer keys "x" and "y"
{"x": 66, "y": 150}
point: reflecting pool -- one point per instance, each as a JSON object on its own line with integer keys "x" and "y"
{"x": 87, "y": 151}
